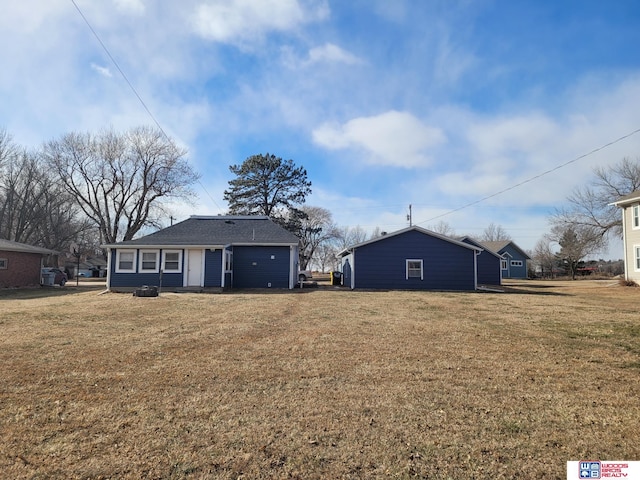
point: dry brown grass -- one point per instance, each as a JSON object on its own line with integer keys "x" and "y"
{"x": 323, "y": 383}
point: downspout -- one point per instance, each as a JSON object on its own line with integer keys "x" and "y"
{"x": 293, "y": 266}
{"x": 475, "y": 269}
{"x": 109, "y": 257}
{"x": 353, "y": 269}
{"x": 223, "y": 261}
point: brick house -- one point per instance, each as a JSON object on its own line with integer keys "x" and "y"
{"x": 20, "y": 264}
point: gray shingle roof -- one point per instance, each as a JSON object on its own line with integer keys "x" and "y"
{"x": 473, "y": 241}
{"x": 500, "y": 244}
{"x": 219, "y": 230}
{"x": 10, "y": 246}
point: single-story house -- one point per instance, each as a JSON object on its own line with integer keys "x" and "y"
{"x": 514, "y": 259}
{"x": 207, "y": 252}
{"x": 21, "y": 264}
{"x": 411, "y": 259}
{"x": 630, "y": 205}
{"x": 489, "y": 264}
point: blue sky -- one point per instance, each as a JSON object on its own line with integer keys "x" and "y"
{"x": 386, "y": 103}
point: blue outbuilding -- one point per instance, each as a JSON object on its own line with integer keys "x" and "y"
{"x": 514, "y": 259}
{"x": 411, "y": 259}
{"x": 489, "y": 264}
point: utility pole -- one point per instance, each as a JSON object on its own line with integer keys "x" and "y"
{"x": 409, "y": 217}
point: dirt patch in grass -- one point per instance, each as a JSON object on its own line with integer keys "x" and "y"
{"x": 324, "y": 383}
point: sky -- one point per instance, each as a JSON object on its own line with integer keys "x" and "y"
{"x": 455, "y": 107}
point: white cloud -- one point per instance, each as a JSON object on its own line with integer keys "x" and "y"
{"x": 242, "y": 21}
{"x": 27, "y": 17}
{"x": 104, "y": 71}
{"x": 330, "y": 53}
{"x": 522, "y": 133}
{"x": 393, "y": 138}
{"x": 452, "y": 62}
{"x": 135, "y": 7}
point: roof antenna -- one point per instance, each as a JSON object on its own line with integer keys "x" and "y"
{"x": 409, "y": 217}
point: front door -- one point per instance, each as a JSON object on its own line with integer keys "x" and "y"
{"x": 194, "y": 273}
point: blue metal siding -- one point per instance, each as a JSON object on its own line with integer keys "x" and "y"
{"x": 488, "y": 264}
{"x": 514, "y": 271}
{"x": 139, "y": 279}
{"x": 488, "y": 269}
{"x": 213, "y": 268}
{"x": 254, "y": 267}
{"x": 446, "y": 266}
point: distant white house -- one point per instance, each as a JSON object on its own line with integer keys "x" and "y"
{"x": 630, "y": 205}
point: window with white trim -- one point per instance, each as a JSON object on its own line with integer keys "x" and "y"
{"x": 503, "y": 264}
{"x": 4, "y": 263}
{"x": 414, "y": 269}
{"x": 516, "y": 263}
{"x": 635, "y": 216}
{"x": 636, "y": 250}
{"x": 149, "y": 261}
{"x": 172, "y": 261}
{"x": 125, "y": 261}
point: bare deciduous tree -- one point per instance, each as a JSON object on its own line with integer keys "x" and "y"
{"x": 494, "y": 233}
{"x": 8, "y": 149}
{"x": 34, "y": 208}
{"x": 443, "y": 228}
{"x": 590, "y": 205}
{"x": 347, "y": 236}
{"x": 121, "y": 181}
{"x": 326, "y": 256}
{"x": 317, "y": 227}
{"x": 544, "y": 257}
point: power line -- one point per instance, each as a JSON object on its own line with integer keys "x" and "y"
{"x": 531, "y": 179}
{"x": 133, "y": 89}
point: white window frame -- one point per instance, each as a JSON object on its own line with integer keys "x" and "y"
{"x": 516, "y": 263}
{"x": 133, "y": 261}
{"x": 636, "y": 258}
{"x": 4, "y": 263}
{"x": 635, "y": 217}
{"x": 141, "y": 261}
{"x": 164, "y": 261}
{"x": 504, "y": 264}
{"x": 410, "y": 260}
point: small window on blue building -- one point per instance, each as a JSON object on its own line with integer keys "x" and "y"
{"x": 125, "y": 261}
{"x": 172, "y": 261}
{"x": 149, "y": 260}
{"x": 414, "y": 269}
